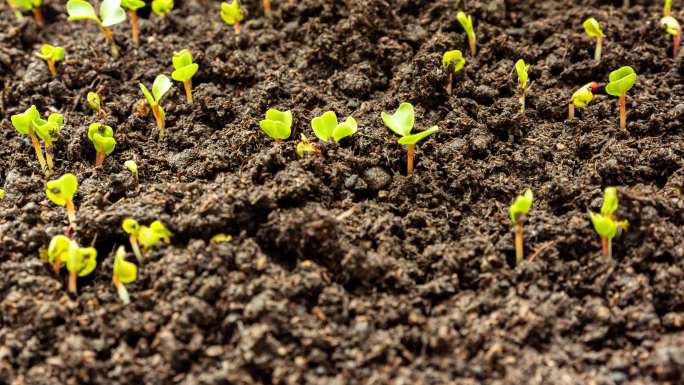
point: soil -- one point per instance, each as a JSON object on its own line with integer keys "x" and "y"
{"x": 343, "y": 269}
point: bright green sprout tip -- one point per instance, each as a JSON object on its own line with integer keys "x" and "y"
{"x": 123, "y": 273}
{"x": 102, "y": 137}
{"x": 327, "y": 127}
{"x": 518, "y": 213}
{"x": 231, "y": 13}
{"x": 277, "y": 124}
{"x": 51, "y": 54}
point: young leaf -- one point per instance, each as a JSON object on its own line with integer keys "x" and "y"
{"x": 50, "y": 52}
{"x": 610, "y": 201}
{"x": 162, "y": 7}
{"x": 621, "y": 80}
{"x": 583, "y": 95}
{"x": 231, "y": 12}
{"x": 48, "y": 130}
{"x": 162, "y": 232}
{"x": 61, "y": 190}
{"x": 304, "y": 147}
{"x": 185, "y": 69}
{"x": 521, "y": 70}
{"x": 453, "y": 61}
{"x": 126, "y": 272}
{"x": 58, "y": 249}
{"x": 671, "y": 25}
{"x": 345, "y": 129}
{"x": 81, "y": 10}
{"x": 592, "y": 28}
{"x": 102, "y": 138}
{"x": 131, "y": 166}
{"x": 93, "y": 100}
{"x": 160, "y": 87}
{"x": 415, "y": 138}
{"x": 28, "y": 5}
{"x": 24, "y": 122}
{"x": 324, "y": 125}
{"x": 402, "y": 121}
{"x": 604, "y": 226}
{"x": 132, "y": 5}
{"x": 111, "y": 12}
{"x": 521, "y": 206}
{"x": 277, "y": 125}
{"x": 82, "y": 260}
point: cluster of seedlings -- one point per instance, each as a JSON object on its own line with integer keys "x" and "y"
{"x": 277, "y": 125}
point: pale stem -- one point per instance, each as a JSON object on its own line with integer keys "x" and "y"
{"x": 71, "y": 212}
{"x": 48, "y": 157}
{"x": 39, "y": 152}
{"x": 623, "y": 112}
{"x": 237, "y": 27}
{"x": 599, "y": 46}
{"x": 121, "y": 290}
{"x": 571, "y": 111}
{"x": 606, "y": 247}
{"x": 99, "y": 159}
{"x": 135, "y": 30}
{"x": 73, "y": 275}
{"x": 410, "y": 150}
{"x": 449, "y": 81}
{"x": 136, "y": 249}
{"x": 188, "y": 90}
{"x": 519, "y": 251}
{"x": 52, "y": 68}
{"x": 473, "y": 44}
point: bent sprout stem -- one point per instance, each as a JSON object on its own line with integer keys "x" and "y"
{"x": 39, "y": 152}
{"x": 599, "y": 46}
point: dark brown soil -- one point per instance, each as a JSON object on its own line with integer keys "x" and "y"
{"x": 343, "y": 270}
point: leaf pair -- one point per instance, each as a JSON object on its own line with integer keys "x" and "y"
{"x": 62, "y": 190}
{"x": 30, "y": 122}
{"x": 184, "y": 67}
{"x": 79, "y": 260}
{"x": 453, "y": 61}
{"x": 52, "y": 53}
{"x": 605, "y": 223}
{"x": 102, "y": 137}
{"x": 147, "y": 236}
{"x": 520, "y": 207}
{"x": 231, "y": 12}
{"x": 620, "y": 81}
{"x": 160, "y": 87}
{"x": 521, "y": 70}
{"x": 111, "y": 12}
{"x": 277, "y": 125}
{"x": 584, "y": 95}
{"x": 326, "y": 126}
{"x": 162, "y": 7}
{"x": 401, "y": 123}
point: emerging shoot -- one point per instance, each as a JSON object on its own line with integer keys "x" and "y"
{"x": 581, "y": 98}
{"x": 232, "y": 14}
{"x": 453, "y": 63}
{"x": 144, "y": 236}
{"x": 593, "y": 29}
{"x": 132, "y": 6}
{"x": 277, "y": 125}
{"x": 672, "y": 27}
{"x": 48, "y": 131}
{"x": 466, "y": 22}
{"x": 80, "y": 262}
{"x": 24, "y": 124}
{"x": 61, "y": 192}
{"x": 185, "y": 69}
{"x": 162, "y": 7}
{"x": 401, "y": 123}
{"x": 58, "y": 252}
{"x": 521, "y": 70}
{"x": 518, "y": 214}
{"x": 95, "y": 103}
{"x": 160, "y": 87}
{"x": 111, "y": 13}
{"x": 305, "y": 147}
{"x": 30, "y": 5}
{"x": 326, "y": 127}
{"x": 221, "y": 237}
{"x": 51, "y": 55}
{"x": 605, "y": 223}
{"x": 103, "y": 140}
{"x": 124, "y": 272}
{"x": 132, "y": 167}
{"x": 621, "y": 81}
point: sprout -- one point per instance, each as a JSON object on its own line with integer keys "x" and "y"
{"x": 94, "y": 102}
{"x": 521, "y": 70}
{"x": 401, "y": 123}
{"x": 466, "y": 22}
{"x": 24, "y": 123}
{"x": 667, "y": 8}
{"x": 2, "y": 194}
{"x": 605, "y": 223}
{"x": 80, "y": 262}
{"x": 453, "y": 62}
{"x": 326, "y": 127}
{"x": 232, "y": 14}
{"x": 306, "y": 147}
{"x": 61, "y": 192}
{"x": 593, "y": 29}
{"x": 30, "y": 5}
{"x": 185, "y": 69}
{"x": 132, "y": 7}
{"x": 162, "y": 7}
{"x": 124, "y": 272}
{"x": 51, "y": 55}
{"x": 621, "y": 80}
{"x": 277, "y": 125}
{"x": 48, "y": 131}
{"x": 160, "y": 87}
{"x": 103, "y": 140}
{"x": 58, "y": 252}
{"x": 518, "y": 214}
{"x": 132, "y": 167}
{"x": 221, "y": 237}
{"x": 145, "y": 236}
{"x": 672, "y": 27}
{"x": 110, "y": 12}
{"x": 581, "y": 98}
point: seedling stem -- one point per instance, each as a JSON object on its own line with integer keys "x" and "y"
{"x": 410, "y": 150}
{"x": 135, "y": 30}
{"x": 623, "y": 111}
{"x": 606, "y": 247}
{"x": 267, "y": 7}
{"x": 519, "y": 250}
{"x": 599, "y": 46}
{"x": 39, "y": 153}
{"x": 187, "y": 84}
{"x": 38, "y": 15}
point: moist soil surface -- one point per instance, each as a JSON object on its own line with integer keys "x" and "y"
{"x": 343, "y": 269}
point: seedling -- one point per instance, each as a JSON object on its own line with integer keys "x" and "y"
{"x": 221, "y": 237}
{"x": 160, "y": 87}
{"x": 593, "y": 29}
{"x": 581, "y": 98}
{"x": 103, "y": 140}
{"x": 24, "y": 124}
{"x": 185, "y": 69}
{"x": 466, "y": 22}
{"x": 453, "y": 63}
{"x": 306, "y": 147}
{"x": 132, "y": 167}
{"x": 124, "y": 272}
{"x": 621, "y": 81}
{"x": 132, "y": 228}
{"x": 30, "y": 5}
{"x": 58, "y": 252}
{"x": 144, "y": 236}
{"x": 672, "y": 27}
{"x": 111, "y": 13}
{"x": 48, "y": 131}
{"x": 51, "y": 55}
{"x": 80, "y": 262}
{"x": 277, "y": 125}
{"x": 162, "y": 7}
{"x": 326, "y": 127}
{"x": 521, "y": 70}
{"x": 61, "y": 192}
{"x": 667, "y": 8}
{"x": 605, "y": 222}
{"x": 232, "y": 14}
{"x": 518, "y": 214}
{"x": 401, "y": 123}
{"x": 132, "y": 7}
{"x": 95, "y": 103}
